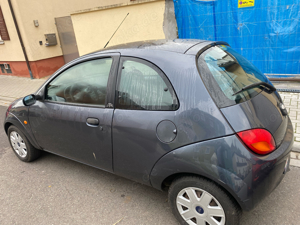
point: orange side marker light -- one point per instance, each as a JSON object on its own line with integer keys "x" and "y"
{"x": 25, "y": 122}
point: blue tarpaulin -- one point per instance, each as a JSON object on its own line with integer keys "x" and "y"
{"x": 267, "y": 33}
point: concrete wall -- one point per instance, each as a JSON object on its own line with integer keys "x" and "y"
{"x": 45, "y": 12}
{"x": 94, "y": 27}
{"x": 170, "y": 23}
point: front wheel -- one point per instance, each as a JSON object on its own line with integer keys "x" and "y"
{"x": 197, "y": 201}
{"x": 21, "y": 146}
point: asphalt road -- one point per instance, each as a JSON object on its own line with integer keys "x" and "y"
{"x": 54, "y": 190}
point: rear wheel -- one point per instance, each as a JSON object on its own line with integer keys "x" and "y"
{"x": 21, "y": 146}
{"x": 197, "y": 201}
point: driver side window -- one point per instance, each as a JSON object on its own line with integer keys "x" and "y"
{"x": 84, "y": 83}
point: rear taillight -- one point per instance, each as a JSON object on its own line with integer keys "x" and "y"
{"x": 258, "y": 140}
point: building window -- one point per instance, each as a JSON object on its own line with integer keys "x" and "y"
{"x": 3, "y": 29}
{"x": 5, "y": 68}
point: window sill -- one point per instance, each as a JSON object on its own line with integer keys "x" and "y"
{"x": 1, "y": 42}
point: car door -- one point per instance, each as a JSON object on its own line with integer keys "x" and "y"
{"x": 143, "y": 123}
{"x": 74, "y": 119}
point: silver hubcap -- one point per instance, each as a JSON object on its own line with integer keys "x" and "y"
{"x": 18, "y": 144}
{"x": 198, "y": 207}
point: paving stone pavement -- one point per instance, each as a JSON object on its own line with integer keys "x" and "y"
{"x": 292, "y": 104}
{"x": 295, "y": 159}
{"x": 12, "y": 88}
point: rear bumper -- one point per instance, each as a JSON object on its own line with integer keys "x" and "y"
{"x": 268, "y": 172}
{"x": 269, "y": 181}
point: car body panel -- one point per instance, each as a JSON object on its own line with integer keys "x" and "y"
{"x": 197, "y": 118}
{"x": 63, "y": 130}
{"x": 246, "y": 176}
{"x": 127, "y": 142}
{"x": 135, "y": 142}
{"x": 262, "y": 111}
{"x": 195, "y": 102}
{"x": 67, "y": 124}
{"x": 176, "y": 45}
{"x": 17, "y": 115}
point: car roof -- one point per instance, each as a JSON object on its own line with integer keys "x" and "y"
{"x": 176, "y": 45}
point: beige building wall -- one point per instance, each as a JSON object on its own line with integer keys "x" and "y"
{"x": 44, "y": 11}
{"x": 94, "y": 27}
{"x": 10, "y": 50}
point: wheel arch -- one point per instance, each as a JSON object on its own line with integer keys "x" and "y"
{"x": 214, "y": 160}
{"x": 170, "y": 179}
{"x": 12, "y": 120}
{"x": 6, "y": 126}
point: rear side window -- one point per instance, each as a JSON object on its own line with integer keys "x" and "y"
{"x": 225, "y": 72}
{"x": 142, "y": 86}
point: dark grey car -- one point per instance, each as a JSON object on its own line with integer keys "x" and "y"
{"x": 190, "y": 117}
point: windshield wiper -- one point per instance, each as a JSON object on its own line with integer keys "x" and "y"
{"x": 264, "y": 84}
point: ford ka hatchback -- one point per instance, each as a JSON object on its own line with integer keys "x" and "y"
{"x": 190, "y": 117}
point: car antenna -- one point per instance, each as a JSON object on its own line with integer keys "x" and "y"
{"x": 116, "y": 30}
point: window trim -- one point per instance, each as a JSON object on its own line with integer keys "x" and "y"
{"x": 155, "y": 68}
{"x": 115, "y": 60}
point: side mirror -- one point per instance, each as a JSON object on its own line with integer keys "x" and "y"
{"x": 29, "y": 100}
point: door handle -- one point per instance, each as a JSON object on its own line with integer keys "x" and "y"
{"x": 92, "y": 121}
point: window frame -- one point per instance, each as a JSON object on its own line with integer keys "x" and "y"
{"x": 109, "y": 88}
{"x": 156, "y": 69}
{"x": 6, "y": 37}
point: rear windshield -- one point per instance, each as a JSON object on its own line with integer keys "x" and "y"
{"x": 225, "y": 72}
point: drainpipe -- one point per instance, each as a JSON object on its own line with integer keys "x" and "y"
{"x": 20, "y": 37}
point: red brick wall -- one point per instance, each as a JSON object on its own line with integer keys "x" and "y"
{"x": 40, "y": 68}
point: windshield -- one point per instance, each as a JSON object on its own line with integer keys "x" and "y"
{"x": 225, "y": 72}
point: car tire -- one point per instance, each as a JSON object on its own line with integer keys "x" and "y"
{"x": 23, "y": 149}
{"x": 196, "y": 200}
